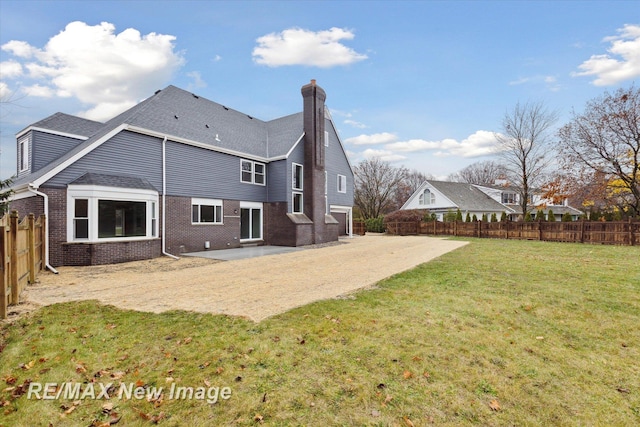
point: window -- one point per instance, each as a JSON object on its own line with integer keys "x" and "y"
{"x": 509, "y": 198}
{"x": 427, "y": 198}
{"x": 252, "y": 172}
{"x": 154, "y": 220}
{"x": 98, "y": 213}
{"x": 206, "y": 211}
{"x": 342, "y": 184}
{"x": 81, "y": 219}
{"x": 119, "y": 218}
{"x": 24, "y": 154}
{"x": 326, "y": 138}
{"x": 298, "y": 207}
{"x": 296, "y": 176}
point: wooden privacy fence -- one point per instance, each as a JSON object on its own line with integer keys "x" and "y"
{"x": 625, "y": 233}
{"x": 22, "y": 251}
{"x": 359, "y": 228}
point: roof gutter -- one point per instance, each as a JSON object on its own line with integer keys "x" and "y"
{"x": 46, "y": 222}
{"x": 164, "y": 199}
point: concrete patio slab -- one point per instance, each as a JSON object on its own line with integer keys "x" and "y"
{"x": 243, "y": 253}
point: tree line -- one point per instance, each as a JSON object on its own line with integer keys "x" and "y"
{"x": 593, "y": 160}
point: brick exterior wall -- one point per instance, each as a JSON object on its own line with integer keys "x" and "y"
{"x": 110, "y": 252}
{"x": 34, "y": 205}
{"x": 183, "y": 236}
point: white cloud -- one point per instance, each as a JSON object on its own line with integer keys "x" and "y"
{"x": 10, "y": 69}
{"x": 551, "y": 82}
{"x": 373, "y": 139}
{"x": 386, "y": 155}
{"x": 39, "y": 91}
{"x": 481, "y": 143}
{"x": 105, "y": 70}
{"x": 197, "y": 80}
{"x": 19, "y": 49}
{"x": 297, "y": 46}
{"x": 607, "y": 68}
{"x": 5, "y": 92}
{"x": 355, "y": 124}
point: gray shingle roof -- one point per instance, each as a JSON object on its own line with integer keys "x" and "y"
{"x": 178, "y": 113}
{"x": 120, "y": 181}
{"x": 61, "y": 122}
{"x": 466, "y": 196}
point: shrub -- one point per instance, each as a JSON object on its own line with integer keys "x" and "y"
{"x": 467, "y": 218}
{"x": 551, "y": 216}
{"x": 458, "y": 215}
{"x": 450, "y": 216}
{"x": 409, "y": 215}
{"x": 474, "y": 218}
{"x": 527, "y": 217}
{"x": 503, "y": 217}
{"x": 484, "y": 217}
{"x": 494, "y": 217}
{"x": 540, "y": 215}
{"x": 567, "y": 217}
{"x": 375, "y": 225}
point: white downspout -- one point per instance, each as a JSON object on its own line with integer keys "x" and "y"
{"x": 164, "y": 198}
{"x": 46, "y": 224}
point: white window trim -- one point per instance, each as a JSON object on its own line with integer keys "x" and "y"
{"x": 432, "y": 198}
{"x": 343, "y": 179}
{"x": 93, "y": 193}
{"x": 326, "y": 138}
{"x": 293, "y": 197}
{"x": 208, "y": 202}
{"x": 293, "y": 175}
{"x": 23, "y": 153}
{"x": 253, "y": 172}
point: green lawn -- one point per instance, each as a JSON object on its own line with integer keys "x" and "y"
{"x": 496, "y": 333}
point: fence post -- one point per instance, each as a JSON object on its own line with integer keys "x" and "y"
{"x": 631, "y": 235}
{"x": 539, "y": 230}
{"x": 4, "y": 289}
{"x": 455, "y": 228}
{"x": 582, "y": 230}
{"x": 13, "y": 243}
{"x": 31, "y": 222}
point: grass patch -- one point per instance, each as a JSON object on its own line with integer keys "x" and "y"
{"x": 495, "y": 333}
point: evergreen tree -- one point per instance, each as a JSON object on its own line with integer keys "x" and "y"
{"x": 527, "y": 217}
{"x": 458, "y": 215}
{"x": 5, "y": 193}
{"x": 567, "y": 217}
{"x": 550, "y": 216}
{"x": 494, "y": 217}
{"x": 503, "y": 217}
{"x": 467, "y": 218}
{"x": 484, "y": 217}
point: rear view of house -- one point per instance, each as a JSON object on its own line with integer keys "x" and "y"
{"x": 179, "y": 173}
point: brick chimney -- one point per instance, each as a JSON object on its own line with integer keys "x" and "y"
{"x": 314, "y": 171}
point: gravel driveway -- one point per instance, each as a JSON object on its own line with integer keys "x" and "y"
{"x": 255, "y": 288}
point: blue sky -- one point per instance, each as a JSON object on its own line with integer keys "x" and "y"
{"x": 420, "y": 84}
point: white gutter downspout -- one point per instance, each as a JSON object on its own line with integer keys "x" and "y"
{"x": 164, "y": 198}
{"x": 46, "y": 222}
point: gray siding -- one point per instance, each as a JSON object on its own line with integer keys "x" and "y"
{"x": 127, "y": 153}
{"x": 277, "y": 179}
{"x": 48, "y": 147}
{"x": 337, "y": 164}
{"x": 198, "y": 172}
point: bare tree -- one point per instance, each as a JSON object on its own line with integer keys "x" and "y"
{"x": 606, "y": 139}
{"x": 376, "y": 183}
{"x": 481, "y": 173}
{"x": 524, "y": 146}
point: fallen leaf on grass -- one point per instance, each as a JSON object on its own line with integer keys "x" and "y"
{"x": 27, "y": 366}
{"x": 111, "y": 326}
{"x": 80, "y": 368}
{"x": 375, "y": 413}
{"x": 407, "y": 374}
{"x": 408, "y": 422}
{"x": 623, "y": 390}
{"x": 10, "y": 380}
{"x": 258, "y": 418}
{"x": 494, "y": 405}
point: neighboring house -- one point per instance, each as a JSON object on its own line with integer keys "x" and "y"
{"x": 179, "y": 173}
{"x": 510, "y": 197}
{"x": 441, "y": 197}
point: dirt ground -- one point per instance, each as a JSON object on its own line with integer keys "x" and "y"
{"x": 255, "y": 288}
